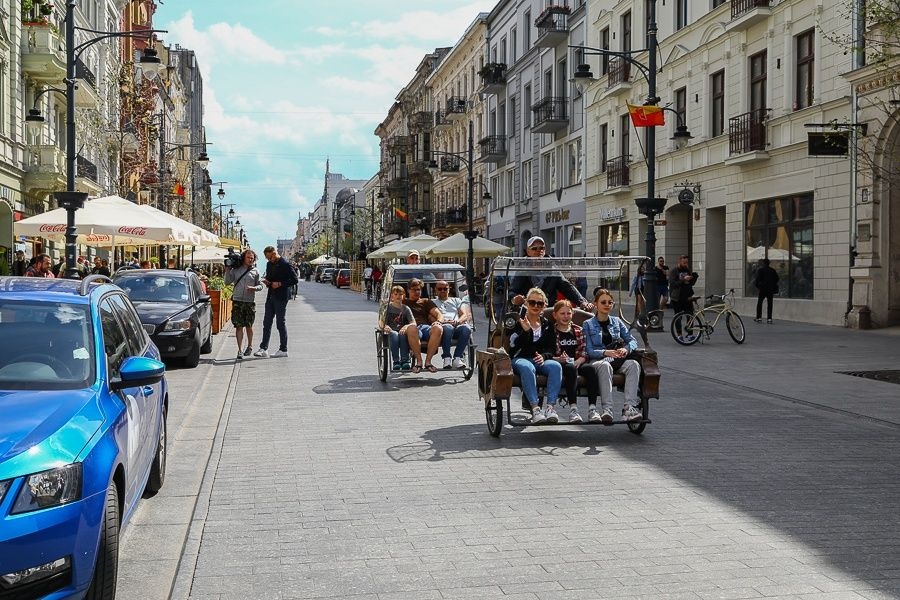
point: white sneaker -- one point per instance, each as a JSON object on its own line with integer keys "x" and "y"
{"x": 607, "y": 417}
{"x": 594, "y": 415}
{"x": 630, "y": 413}
{"x": 279, "y": 354}
{"x": 458, "y": 363}
{"x": 537, "y": 416}
{"x": 551, "y": 415}
{"x": 447, "y": 361}
{"x": 574, "y": 415}
{"x": 240, "y": 355}
{"x": 261, "y": 353}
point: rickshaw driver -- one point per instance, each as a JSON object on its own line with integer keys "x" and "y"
{"x": 551, "y": 284}
{"x": 428, "y": 322}
{"x": 455, "y": 318}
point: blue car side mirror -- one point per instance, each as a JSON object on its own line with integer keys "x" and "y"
{"x": 138, "y": 371}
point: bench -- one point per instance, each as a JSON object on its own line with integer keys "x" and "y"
{"x": 497, "y": 377}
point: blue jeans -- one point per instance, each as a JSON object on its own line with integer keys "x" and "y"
{"x": 275, "y": 309}
{"x": 463, "y": 333}
{"x": 399, "y": 346}
{"x": 528, "y": 371}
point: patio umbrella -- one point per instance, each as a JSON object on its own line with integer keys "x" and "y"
{"x": 110, "y": 220}
{"x": 458, "y": 245}
{"x": 382, "y": 252}
{"x": 401, "y": 248}
{"x": 324, "y": 260}
{"x": 207, "y": 254}
{"x": 774, "y": 254}
{"x": 204, "y": 237}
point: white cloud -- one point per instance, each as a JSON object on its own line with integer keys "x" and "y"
{"x": 223, "y": 42}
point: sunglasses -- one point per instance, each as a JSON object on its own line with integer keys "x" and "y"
{"x": 536, "y": 303}
{"x": 606, "y": 302}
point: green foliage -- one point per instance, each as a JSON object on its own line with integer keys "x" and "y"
{"x": 216, "y": 282}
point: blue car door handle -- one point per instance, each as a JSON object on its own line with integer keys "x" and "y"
{"x": 148, "y": 390}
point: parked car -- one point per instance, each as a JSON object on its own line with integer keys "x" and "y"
{"x": 327, "y": 275}
{"x": 83, "y": 398}
{"x": 343, "y": 278}
{"x": 174, "y": 310}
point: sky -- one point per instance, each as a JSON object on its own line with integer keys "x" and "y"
{"x": 291, "y": 83}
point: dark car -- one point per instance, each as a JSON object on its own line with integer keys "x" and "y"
{"x": 343, "y": 278}
{"x": 173, "y": 309}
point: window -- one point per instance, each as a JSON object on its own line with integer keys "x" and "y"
{"x": 526, "y": 106}
{"x": 604, "y": 44}
{"x": 573, "y": 162}
{"x": 758, "y": 81}
{"x": 624, "y": 131}
{"x": 134, "y": 331}
{"x": 781, "y": 229}
{"x": 513, "y": 43}
{"x": 681, "y": 14}
{"x": 717, "y": 85}
{"x": 114, "y": 343}
{"x": 503, "y": 50}
{"x": 604, "y": 146}
{"x": 716, "y": 3}
{"x": 614, "y": 242}
{"x": 805, "y": 62}
{"x": 546, "y": 172}
{"x": 680, "y": 108}
{"x": 526, "y": 31}
{"x": 527, "y": 190}
{"x": 625, "y": 23}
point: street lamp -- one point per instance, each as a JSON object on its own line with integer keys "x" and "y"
{"x": 651, "y": 205}
{"x": 222, "y": 218}
{"x": 471, "y": 234}
{"x": 71, "y": 200}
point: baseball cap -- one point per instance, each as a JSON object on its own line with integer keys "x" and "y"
{"x": 533, "y": 239}
{"x": 413, "y": 252}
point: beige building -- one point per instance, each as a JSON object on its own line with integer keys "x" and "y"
{"x": 746, "y": 78}
{"x": 454, "y": 103}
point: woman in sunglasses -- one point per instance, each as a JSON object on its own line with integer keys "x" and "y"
{"x": 533, "y": 343}
{"x": 608, "y": 345}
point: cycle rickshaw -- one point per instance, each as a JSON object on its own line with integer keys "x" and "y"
{"x": 496, "y": 378}
{"x": 430, "y": 274}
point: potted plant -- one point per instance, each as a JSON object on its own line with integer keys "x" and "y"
{"x": 36, "y": 12}
{"x": 220, "y": 301}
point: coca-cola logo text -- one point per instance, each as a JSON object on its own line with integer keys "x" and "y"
{"x": 53, "y": 229}
{"x": 139, "y": 231}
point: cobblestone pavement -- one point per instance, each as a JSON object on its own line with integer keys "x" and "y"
{"x": 763, "y": 474}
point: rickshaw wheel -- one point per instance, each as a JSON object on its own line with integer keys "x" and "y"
{"x": 470, "y": 362}
{"x": 494, "y": 416}
{"x": 382, "y": 353}
{"x": 638, "y": 428}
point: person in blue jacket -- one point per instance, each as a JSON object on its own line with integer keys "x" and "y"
{"x": 608, "y": 345}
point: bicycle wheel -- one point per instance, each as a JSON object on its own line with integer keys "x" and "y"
{"x": 686, "y": 329}
{"x": 735, "y": 327}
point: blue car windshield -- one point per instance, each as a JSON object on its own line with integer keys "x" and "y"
{"x": 45, "y": 346}
{"x": 154, "y": 288}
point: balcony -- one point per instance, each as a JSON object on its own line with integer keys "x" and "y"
{"x": 421, "y": 121}
{"x": 450, "y": 218}
{"x": 552, "y": 26}
{"x": 396, "y": 226}
{"x": 493, "y": 78}
{"x": 86, "y": 179}
{"x": 456, "y": 108}
{"x": 418, "y": 171}
{"x": 398, "y": 183}
{"x": 618, "y": 175}
{"x": 399, "y": 144}
{"x": 86, "y": 95}
{"x": 619, "y": 77}
{"x": 450, "y": 164}
{"x": 747, "y": 137}
{"x": 550, "y": 115}
{"x": 493, "y": 149}
{"x": 746, "y": 13}
{"x": 43, "y": 57}
{"x": 441, "y": 122}
{"x": 46, "y": 171}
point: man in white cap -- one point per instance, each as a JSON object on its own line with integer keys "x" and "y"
{"x": 412, "y": 258}
{"x": 551, "y": 284}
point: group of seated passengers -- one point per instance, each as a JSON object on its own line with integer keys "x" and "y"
{"x": 561, "y": 351}
{"x": 437, "y": 321}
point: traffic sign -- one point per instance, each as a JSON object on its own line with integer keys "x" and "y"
{"x": 659, "y": 222}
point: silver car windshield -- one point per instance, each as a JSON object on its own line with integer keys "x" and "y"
{"x": 45, "y": 346}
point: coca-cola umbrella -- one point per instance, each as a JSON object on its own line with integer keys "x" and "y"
{"x": 205, "y": 238}
{"x": 108, "y": 221}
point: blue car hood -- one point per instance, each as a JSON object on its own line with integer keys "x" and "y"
{"x": 50, "y": 428}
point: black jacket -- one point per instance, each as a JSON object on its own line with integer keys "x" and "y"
{"x": 523, "y": 344}
{"x": 766, "y": 280}
{"x": 679, "y": 288}
{"x": 281, "y": 271}
{"x": 552, "y": 285}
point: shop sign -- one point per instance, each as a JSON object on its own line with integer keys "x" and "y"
{"x": 612, "y": 214}
{"x": 556, "y": 216}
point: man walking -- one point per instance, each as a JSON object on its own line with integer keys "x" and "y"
{"x": 367, "y": 280}
{"x": 20, "y": 265}
{"x": 279, "y": 278}
{"x": 766, "y": 281}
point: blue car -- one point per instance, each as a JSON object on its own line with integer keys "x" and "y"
{"x": 83, "y": 403}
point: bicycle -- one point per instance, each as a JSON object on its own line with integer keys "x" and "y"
{"x": 688, "y": 328}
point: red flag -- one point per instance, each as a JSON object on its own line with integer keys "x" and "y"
{"x": 648, "y": 115}
{"x": 178, "y": 189}
{"x": 400, "y": 213}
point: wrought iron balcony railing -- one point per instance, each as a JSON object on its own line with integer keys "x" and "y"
{"x": 450, "y": 164}
{"x": 617, "y": 172}
{"x": 85, "y": 168}
{"x": 742, "y": 7}
{"x": 747, "y": 132}
{"x": 619, "y": 71}
{"x": 550, "y": 114}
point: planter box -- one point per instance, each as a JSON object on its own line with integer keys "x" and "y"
{"x": 221, "y": 310}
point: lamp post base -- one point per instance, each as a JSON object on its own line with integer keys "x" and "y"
{"x": 651, "y": 207}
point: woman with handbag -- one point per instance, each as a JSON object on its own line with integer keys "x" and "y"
{"x": 608, "y": 345}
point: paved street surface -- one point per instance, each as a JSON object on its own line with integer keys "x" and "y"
{"x": 763, "y": 474}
